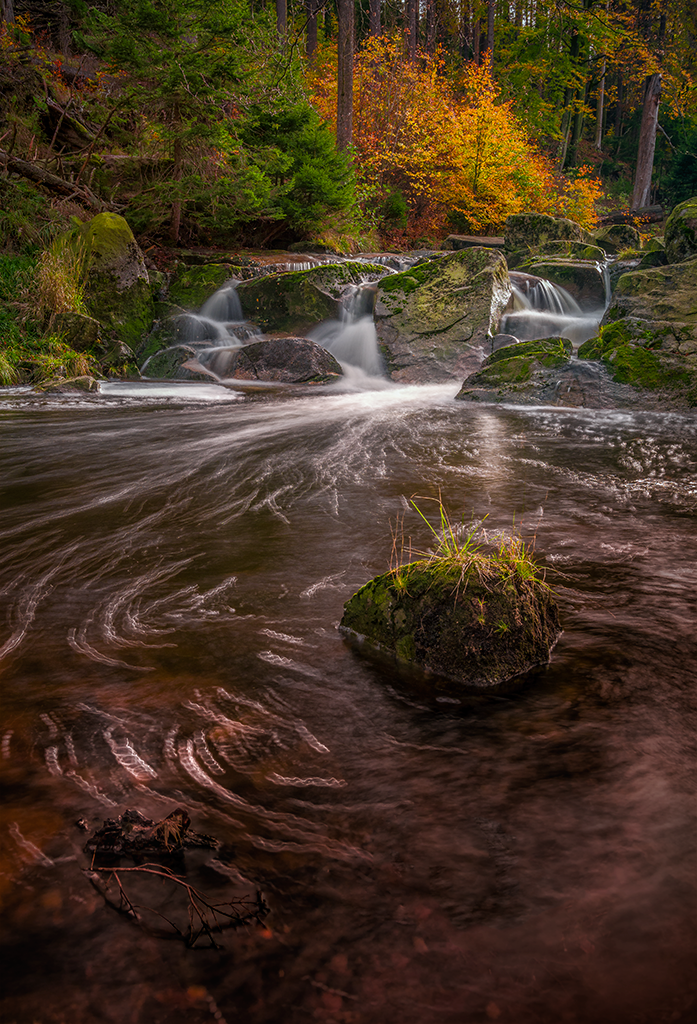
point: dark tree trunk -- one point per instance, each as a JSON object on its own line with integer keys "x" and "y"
{"x": 344, "y": 103}
{"x": 412, "y": 26}
{"x": 311, "y": 31}
{"x": 375, "y": 17}
{"x": 176, "y": 215}
{"x": 490, "y": 11}
{"x": 8, "y": 11}
{"x": 647, "y": 143}
{"x": 576, "y": 129}
{"x": 282, "y": 17}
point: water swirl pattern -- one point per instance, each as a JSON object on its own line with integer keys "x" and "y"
{"x": 175, "y": 563}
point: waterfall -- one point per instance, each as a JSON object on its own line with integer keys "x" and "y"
{"x": 352, "y": 339}
{"x": 540, "y": 309}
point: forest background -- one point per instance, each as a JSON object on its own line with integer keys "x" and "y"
{"x": 348, "y": 124}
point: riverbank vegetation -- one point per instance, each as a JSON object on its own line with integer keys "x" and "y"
{"x": 350, "y": 126}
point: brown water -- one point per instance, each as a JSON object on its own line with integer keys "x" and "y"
{"x": 173, "y": 571}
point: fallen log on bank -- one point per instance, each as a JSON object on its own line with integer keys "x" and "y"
{"x": 52, "y": 182}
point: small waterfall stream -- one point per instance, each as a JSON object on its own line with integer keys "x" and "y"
{"x": 540, "y": 309}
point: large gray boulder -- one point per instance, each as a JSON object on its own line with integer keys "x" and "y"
{"x": 285, "y": 360}
{"x": 434, "y": 320}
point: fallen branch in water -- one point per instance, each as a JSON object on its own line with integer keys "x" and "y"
{"x": 205, "y": 916}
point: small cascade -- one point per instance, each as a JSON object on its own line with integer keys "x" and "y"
{"x": 226, "y": 330}
{"x": 540, "y": 309}
{"x": 353, "y": 339}
{"x": 223, "y": 305}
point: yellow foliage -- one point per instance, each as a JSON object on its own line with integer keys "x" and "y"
{"x": 452, "y": 148}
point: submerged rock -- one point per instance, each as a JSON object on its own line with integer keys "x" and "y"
{"x": 134, "y": 835}
{"x": 285, "y": 360}
{"x": 463, "y": 623}
{"x": 433, "y": 321}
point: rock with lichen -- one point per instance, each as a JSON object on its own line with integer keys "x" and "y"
{"x": 434, "y": 320}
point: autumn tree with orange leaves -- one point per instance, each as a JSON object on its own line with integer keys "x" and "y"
{"x": 452, "y": 147}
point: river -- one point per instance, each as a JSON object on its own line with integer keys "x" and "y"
{"x": 175, "y": 561}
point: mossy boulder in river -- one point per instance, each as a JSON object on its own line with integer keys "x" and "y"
{"x": 647, "y": 357}
{"x": 433, "y": 320}
{"x": 117, "y": 292}
{"x": 527, "y": 232}
{"x": 189, "y": 287}
{"x": 298, "y": 300}
{"x": 648, "y": 335}
{"x": 477, "y": 623}
{"x": 617, "y": 237}
{"x": 518, "y": 372}
{"x": 681, "y": 232}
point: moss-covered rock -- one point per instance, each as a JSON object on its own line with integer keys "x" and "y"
{"x": 433, "y": 320}
{"x": 518, "y": 373}
{"x": 117, "y": 292}
{"x": 474, "y": 628}
{"x": 572, "y": 250}
{"x": 617, "y": 237}
{"x": 190, "y": 286}
{"x": 78, "y": 330}
{"x": 298, "y": 300}
{"x": 525, "y": 231}
{"x": 681, "y": 232}
{"x": 646, "y": 356}
{"x": 176, "y": 363}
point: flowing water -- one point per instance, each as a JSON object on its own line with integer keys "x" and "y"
{"x": 175, "y": 563}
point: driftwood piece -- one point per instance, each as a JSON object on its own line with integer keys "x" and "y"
{"x": 52, "y": 182}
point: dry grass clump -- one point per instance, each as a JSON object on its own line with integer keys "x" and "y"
{"x": 464, "y": 549}
{"x": 59, "y": 285}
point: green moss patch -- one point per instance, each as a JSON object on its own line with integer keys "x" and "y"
{"x": 632, "y": 355}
